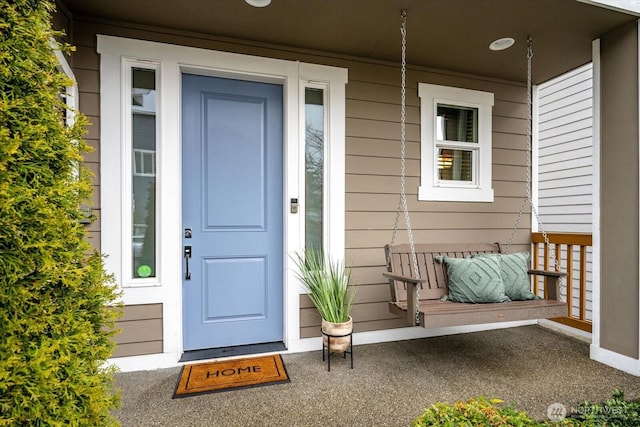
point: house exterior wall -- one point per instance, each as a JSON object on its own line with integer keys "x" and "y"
{"x": 565, "y": 164}
{"x": 619, "y": 311}
{"x": 60, "y": 22}
{"x": 372, "y": 163}
{"x": 372, "y": 174}
{"x": 141, "y": 330}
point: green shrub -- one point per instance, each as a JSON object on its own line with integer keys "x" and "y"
{"x": 614, "y": 412}
{"x": 475, "y": 412}
{"x": 55, "y": 328}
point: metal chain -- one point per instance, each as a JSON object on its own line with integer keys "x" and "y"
{"x": 402, "y": 202}
{"x": 529, "y": 199}
{"x": 403, "y": 29}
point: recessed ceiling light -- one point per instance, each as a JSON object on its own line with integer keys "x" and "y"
{"x": 258, "y": 3}
{"x": 502, "y": 44}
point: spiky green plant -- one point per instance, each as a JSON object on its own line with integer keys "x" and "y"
{"x": 55, "y": 325}
{"x": 327, "y": 283}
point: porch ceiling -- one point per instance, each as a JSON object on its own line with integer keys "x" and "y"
{"x": 446, "y": 34}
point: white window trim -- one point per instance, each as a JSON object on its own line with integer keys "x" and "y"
{"x": 327, "y": 202}
{"x": 126, "y": 192}
{"x": 71, "y": 94}
{"x": 431, "y": 188}
{"x": 72, "y": 100}
{"x": 332, "y": 81}
{"x": 172, "y": 61}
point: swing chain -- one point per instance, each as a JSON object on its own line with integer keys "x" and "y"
{"x": 402, "y": 202}
{"x": 403, "y": 15}
{"x": 529, "y": 198}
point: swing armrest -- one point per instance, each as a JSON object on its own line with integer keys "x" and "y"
{"x": 405, "y": 279}
{"x": 551, "y": 282}
{"x": 547, "y": 273}
{"x": 412, "y": 294}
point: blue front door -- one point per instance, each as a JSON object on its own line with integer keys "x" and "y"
{"x": 232, "y": 210}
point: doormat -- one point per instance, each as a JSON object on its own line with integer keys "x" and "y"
{"x": 230, "y": 374}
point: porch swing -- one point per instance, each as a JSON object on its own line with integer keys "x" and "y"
{"x": 434, "y": 285}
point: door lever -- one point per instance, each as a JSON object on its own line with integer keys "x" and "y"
{"x": 187, "y": 255}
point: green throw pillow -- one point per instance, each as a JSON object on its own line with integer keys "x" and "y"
{"x": 474, "y": 280}
{"x": 513, "y": 269}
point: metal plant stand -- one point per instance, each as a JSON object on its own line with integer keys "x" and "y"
{"x": 328, "y": 348}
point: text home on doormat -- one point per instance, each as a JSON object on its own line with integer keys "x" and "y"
{"x": 230, "y": 374}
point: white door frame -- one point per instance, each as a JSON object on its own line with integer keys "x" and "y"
{"x": 171, "y": 61}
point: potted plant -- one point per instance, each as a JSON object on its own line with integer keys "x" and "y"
{"x": 327, "y": 283}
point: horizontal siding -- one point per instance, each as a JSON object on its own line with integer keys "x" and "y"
{"x": 554, "y": 93}
{"x": 578, "y": 164}
{"x": 556, "y": 141}
{"x": 140, "y": 330}
{"x": 86, "y": 65}
{"x": 574, "y": 101}
{"x": 373, "y": 158}
{"x": 566, "y": 165}
{"x": 565, "y": 151}
{"x": 579, "y": 151}
{"x": 569, "y": 173}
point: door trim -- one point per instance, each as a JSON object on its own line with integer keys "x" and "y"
{"x": 172, "y": 61}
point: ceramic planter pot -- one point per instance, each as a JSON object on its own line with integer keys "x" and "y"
{"x": 339, "y": 344}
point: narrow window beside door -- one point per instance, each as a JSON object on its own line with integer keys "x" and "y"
{"x": 314, "y": 168}
{"x": 143, "y": 158}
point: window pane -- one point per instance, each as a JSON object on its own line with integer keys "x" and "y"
{"x": 455, "y": 123}
{"x": 143, "y": 111}
{"x": 314, "y": 167}
{"x": 455, "y": 165}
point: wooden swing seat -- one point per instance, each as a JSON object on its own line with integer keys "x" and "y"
{"x": 434, "y": 313}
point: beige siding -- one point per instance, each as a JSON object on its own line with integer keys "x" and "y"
{"x": 373, "y": 166}
{"x": 619, "y": 192}
{"x": 61, "y": 21}
{"x": 372, "y": 183}
{"x": 140, "y": 330}
{"x": 86, "y": 68}
{"x": 372, "y": 162}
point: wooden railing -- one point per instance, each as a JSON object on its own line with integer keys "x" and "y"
{"x": 566, "y": 247}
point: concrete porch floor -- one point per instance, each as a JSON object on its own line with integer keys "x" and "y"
{"x": 391, "y": 383}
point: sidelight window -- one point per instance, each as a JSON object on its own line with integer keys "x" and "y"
{"x": 314, "y": 167}
{"x": 143, "y": 172}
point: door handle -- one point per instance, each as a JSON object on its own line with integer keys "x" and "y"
{"x": 187, "y": 255}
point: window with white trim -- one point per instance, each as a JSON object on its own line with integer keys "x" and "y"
{"x": 68, "y": 115}
{"x": 70, "y": 96}
{"x": 456, "y": 144}
{"x": 142, "y": 129}
{"x": 314, "y": 161}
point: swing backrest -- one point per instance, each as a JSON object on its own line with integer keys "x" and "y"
{"x": 433, "y": 272}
